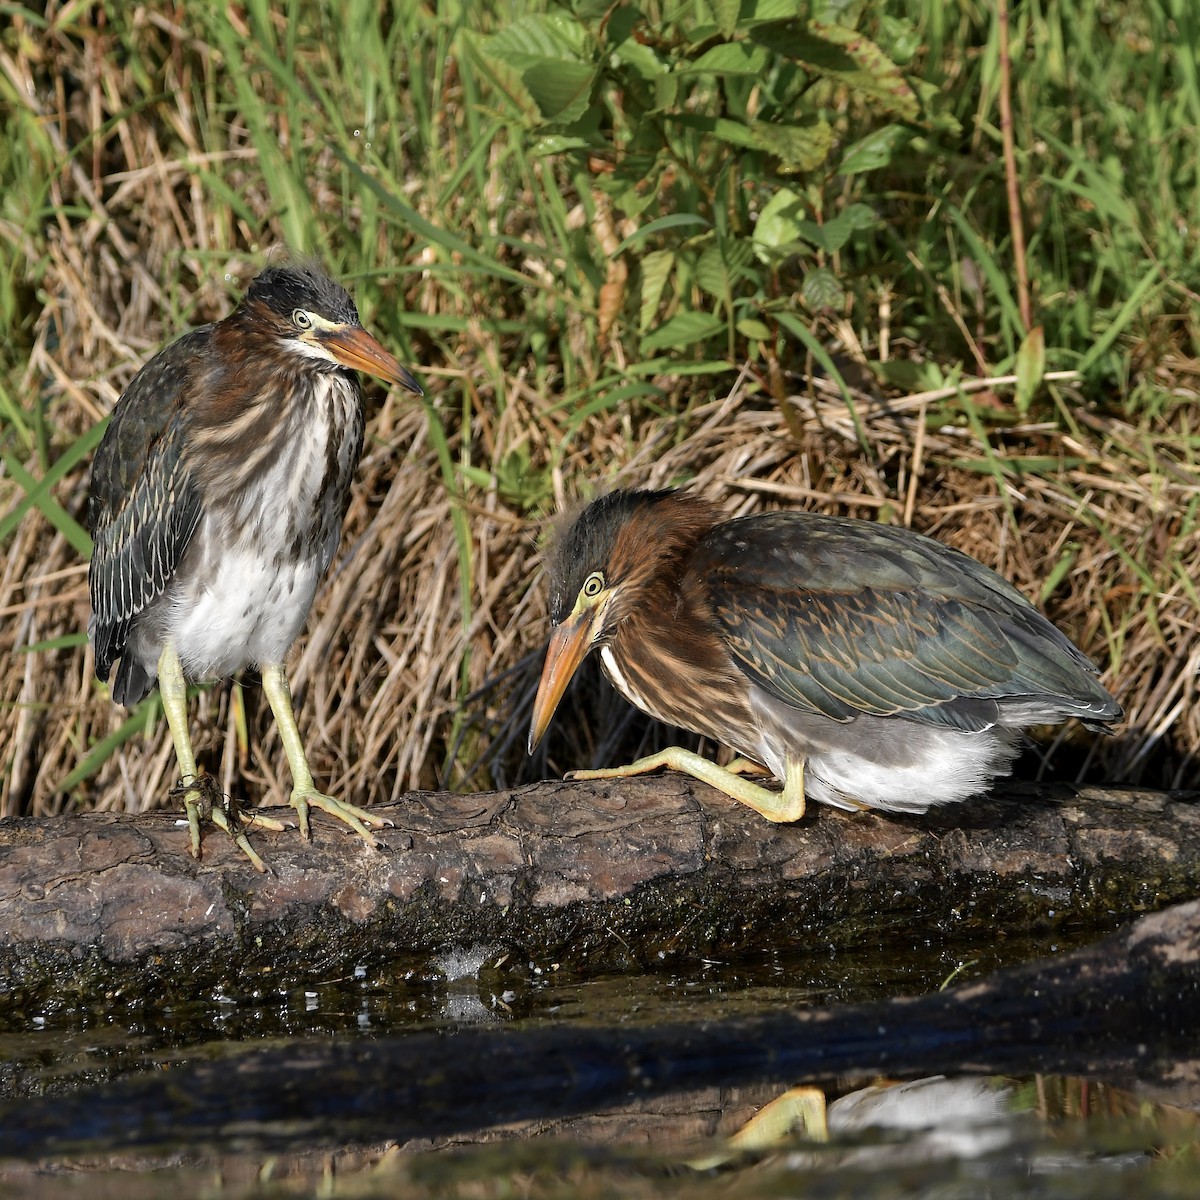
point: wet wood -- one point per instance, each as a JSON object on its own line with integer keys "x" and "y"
{"x": 1126, "y": 1009}
{"x": 587, "y": 876}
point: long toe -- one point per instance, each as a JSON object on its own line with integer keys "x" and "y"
{"x": 243, "y": 842}
{"x": 359, "y": 819}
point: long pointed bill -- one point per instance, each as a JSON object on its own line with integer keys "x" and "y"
{"x": 357, "y": 349}
{"x": 569, "y": 646}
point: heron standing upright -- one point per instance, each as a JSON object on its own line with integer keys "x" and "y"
{"x": 217, "y": 499}
{"x": 863, "y": 666}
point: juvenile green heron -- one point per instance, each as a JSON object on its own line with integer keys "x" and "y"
{"x": 864, "y": 666}
{"x": 216, "y": 505}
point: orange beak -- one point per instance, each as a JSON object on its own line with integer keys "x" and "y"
{"x": 569, "y": 646}
{"x": 356, "y": 348}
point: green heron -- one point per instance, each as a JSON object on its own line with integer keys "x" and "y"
{"x": 216, "y": 505}
{"x": 866, "y": 666}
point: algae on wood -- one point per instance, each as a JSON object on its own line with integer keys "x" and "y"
{"x": 590, "y": 876}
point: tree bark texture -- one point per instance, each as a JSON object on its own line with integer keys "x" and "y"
{"x": 591, "y": 876}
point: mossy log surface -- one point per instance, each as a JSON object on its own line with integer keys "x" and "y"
{"x": 587, "y": 876}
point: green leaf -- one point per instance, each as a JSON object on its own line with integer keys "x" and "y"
{"x": 504, "y": 78}
{"x": 656, "y": 270}
{"x": 755, "y": 12}
{"x": 806, "y": 337}
{"x": 1061, "y": 569}
{"x": 547, "y": 58}
{"x": 66, "y": 641}
{"x": 642, "y": 59}
{"x": 712, "y": 274}
{"x": 778, "y": 224}
{"x": 899, "y": 37}
{"x": 556, "y": 143}
{"x": 821, "y": 289}
{"x": 751, "y": 327}
{"x": 38, "y": 491}
{"x": 1031, "y": 366}
{"x": 730, "y": 58}
{"x": 725, "y": 13}
{"x": 103, "y": 750}
{"x": 670, "y": 222}
{"x": 1151, "y": 281}
{"x": 846, "y": 55}
{"x": 798, "y": 147}
{"x": 873, "y": 151}
{"x": 836, "y": 232}
{"x": 683, "y": 329}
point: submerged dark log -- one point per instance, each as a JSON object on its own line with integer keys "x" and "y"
{"x": 589, "y": 876}
{"x": 1126, "y": 1008}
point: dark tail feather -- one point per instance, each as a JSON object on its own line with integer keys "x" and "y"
{"x": 132, "y": 682}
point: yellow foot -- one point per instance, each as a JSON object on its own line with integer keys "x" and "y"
{"x": 801, "y": 1108}
{"x": 202, "y": 799}
{"x": 357, "y": 818}
{"x": 781, "y": 807}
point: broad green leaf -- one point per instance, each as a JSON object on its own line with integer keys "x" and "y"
{"x": 551, "y": 56}
{"x": 846, "y": 55}
{"x": 656, "y": 270}
{"x": 798, "y": 147}
{"x": 712, "y": 273}
{"x": 504, "y": 78}
{"x": 837, "y": 231}
{"x": 728, "y": 131}
{"x": 725, "y": 13}
{"x": 778, "y": 223}
{"x": 683, "y": 329}
{"x": 751, "y": 327}
{"x": 1031, "y": 366}
{"x": 821, "y": 289}
{"x": 731, "y": 58}
{"x": 644, "y": 61}
{"x": 562, "y": 90}
{"x": 756, "y": 11}
{"x": 873, "y": 151}
{"x": 899, "y": 37}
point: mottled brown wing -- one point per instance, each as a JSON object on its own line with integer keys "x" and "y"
{"x": 143, "y": 507}
{"x": 843, "y": 617}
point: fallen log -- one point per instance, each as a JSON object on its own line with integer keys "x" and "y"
{"x": 1125, "y": 1009}
{"x": 588, "y": 876}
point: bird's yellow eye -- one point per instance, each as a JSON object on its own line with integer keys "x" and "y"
{"x": 301, "y": 319}
{"x": 593, "y": 585}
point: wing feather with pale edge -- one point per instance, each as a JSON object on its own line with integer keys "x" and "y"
{"x": 144, "y": 505}
{"x": 843, "y": 617}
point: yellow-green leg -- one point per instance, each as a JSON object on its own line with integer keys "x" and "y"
{"x": 781, "y": 807}
{"x": 173, "y": 690}
{"x": 304, "y": 792}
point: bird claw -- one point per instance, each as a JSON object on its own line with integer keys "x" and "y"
{"x": 203, "y": 800}
{"x": 349, "y": 814}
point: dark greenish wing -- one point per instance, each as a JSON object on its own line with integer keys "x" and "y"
{"x": 844, "y": 617}
{"x": 144, "y": 506}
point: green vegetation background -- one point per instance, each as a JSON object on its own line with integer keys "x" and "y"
{"x": 774, "y": 249}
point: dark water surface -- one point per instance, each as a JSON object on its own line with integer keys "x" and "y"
{"x": 1026, "y": 1135}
